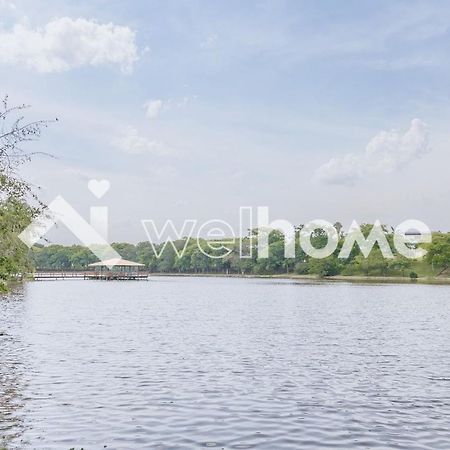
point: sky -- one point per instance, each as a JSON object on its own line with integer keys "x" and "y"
{"x": 191, "y": 109}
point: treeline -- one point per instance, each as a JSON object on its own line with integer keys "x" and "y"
{"x": 193, "y": 260}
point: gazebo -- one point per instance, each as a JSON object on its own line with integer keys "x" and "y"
{"x": 116, "y": 269}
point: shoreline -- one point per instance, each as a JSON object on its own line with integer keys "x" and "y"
{"x": 335, "y": 278}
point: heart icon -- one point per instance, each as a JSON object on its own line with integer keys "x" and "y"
{"x": 99, "y": 187}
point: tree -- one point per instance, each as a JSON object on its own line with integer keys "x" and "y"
{"x": 166, "y": 261}
{"x": 199, "y": 261}
{"x": 400, "y": 264}
{"x": 439, "y": 253}
{"x": 15, "y": 215}
{"x": 338, "y": 226}
{"x": 146, "y": 255}
{"x": 325, "y": 267}
{"x": 127, "y": 251}
{"x": 375, "y": 262}
{"x": 18, "y": 202}
{"x": 80, "y": 257}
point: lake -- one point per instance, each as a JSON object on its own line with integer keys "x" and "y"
{"x": 188, "y": 363}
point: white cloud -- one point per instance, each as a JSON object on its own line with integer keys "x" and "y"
{"x": 6, "y": 4}
{"x": 153, "y": 108}
{"x": 64, "y": 43}
{"x": 387, "y": 152}
{"x": 133, "y": 143}
{"x": 209, "y": 42}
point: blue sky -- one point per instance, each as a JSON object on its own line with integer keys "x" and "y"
{"x": 195, "y": 108}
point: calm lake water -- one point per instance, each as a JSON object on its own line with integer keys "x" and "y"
{"x": 186, "y": 363}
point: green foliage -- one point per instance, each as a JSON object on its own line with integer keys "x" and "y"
{"x": 59, "y": 257}
{"x": 127, "y": 251}
{"x": 438, "y": 255}
{"x": 400, "y": 264}
{"x": 325, "y": 267}
{"x": 15, "y": 215}
{"x": 193, "y": 260}
{"x": 18, "y": 203}
{"x": 374, "y": 264}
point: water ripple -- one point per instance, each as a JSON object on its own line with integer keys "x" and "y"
{"x": 224, "y": 364}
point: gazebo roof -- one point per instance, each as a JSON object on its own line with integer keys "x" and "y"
{"x": 116, "y": 262}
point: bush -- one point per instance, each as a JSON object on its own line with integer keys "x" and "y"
{"x": 326, "y": 267}
{"x": 413, "y": 276}
{"x": 301, "y": 268}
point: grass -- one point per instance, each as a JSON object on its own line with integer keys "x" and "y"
{"x": 422, "y": 279}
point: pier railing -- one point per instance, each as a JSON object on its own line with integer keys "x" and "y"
{"x": 88, "y": 275}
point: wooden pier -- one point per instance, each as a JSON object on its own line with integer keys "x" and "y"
{"x": 112, "y": 275}
{"x": 88, "y": 275}
{"x": 110, "y": 269}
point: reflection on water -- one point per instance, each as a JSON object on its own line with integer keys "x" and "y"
{"x": 11, "y": 366}
{"x": 184, "y": 363}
